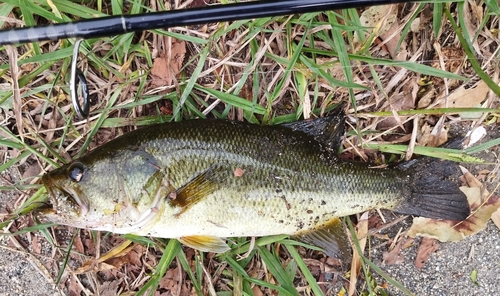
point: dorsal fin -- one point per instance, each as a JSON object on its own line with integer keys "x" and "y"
{"x": 326, "y": 130}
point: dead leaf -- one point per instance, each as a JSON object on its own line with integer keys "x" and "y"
{"x": 74, "y": 288}
{"x": 16, "y": 93}
{"x": 394, "y": 256}
{"x": 380, "y": 18}
{"x": 32, "y": 171}
{"x": 466, "y": 98}
{"x": 35, "y": 245}
{"x": 446, "y": 230}
{"x": 135, "y": 255}
{"x": 391, "y": 41}
{"x": 197, "y": 3}
{"x": 495, "y": 217}
{"x": 109, "y": 288}
{"x": 169, "y": 62}
{"x": 78, "y": 244}
{"x": 433, "y": 137}
{"x": 400, "y": 101}
{"x": 470, "y": 179}
{"x": 89, "y": 246}
{"x": 93, "y": 265}
{"x": 170, "y": 280}
{"x": 426, "y": 248}
{"x": 114, "y": 259}
{"x": 257, "y": 291}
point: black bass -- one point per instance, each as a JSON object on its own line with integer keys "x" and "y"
{"x": 203, "y": 180}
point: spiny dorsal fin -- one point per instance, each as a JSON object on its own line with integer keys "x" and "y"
{"x": 205, "y": 243}
{"x": 198, "y": 188}
{"x": 331, "y": 237}
{"x": 326, "y": 130}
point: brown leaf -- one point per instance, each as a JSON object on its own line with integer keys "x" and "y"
{"x": 257, "y": 291}
{"x": 135, "y": 255}
{"x": 89, "y": 246}
{"x": 434, "y": 137}
{"x": 197, "y": 3}
{"x": 170, "y": 280}
{"x": 394, "y": 256}
{"x": 466, "y": 98}
{"x": 169, "y": 63}
{"x": 93, "y": 265}
{"x": 379, "y": 18}
{"x": 446, "y": 230}
{"x": 427, "y": 247}
{"x": 392, "y": 43}
{"x": 400, "y": 101}
{"x": 470, "y": 179}
{"x": 109, "y": 288}
{"x": 35, "y": 245}
{"x": 495, "y": 217}
{"x": 74, "y": 288}
{"x": 78, "y": 244}
{"x": 118, "y": 262}
{"x": 114, "y": 259}
{"x": 32, "y": 170}
{"x": 16, "y": 94}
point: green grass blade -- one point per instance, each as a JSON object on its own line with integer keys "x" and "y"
{"x": 173, "y": 247}
{"x": 102, "y": 117}
{"x": 470, "y": 55}
{"x": 441, "y": 153}
{"x": 437, "y": 18}
{"x": 304, "y": 269}
{"x": 30, "y": 229}
{"x": 233, "y": 100}
{"x": 274, "y": 265}
{"x": 191, "y": 82}
{"x": 483, "y": 146}
{"x": 196, "y": 281}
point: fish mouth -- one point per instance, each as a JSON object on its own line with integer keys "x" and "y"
{"x": 60, "y": 194}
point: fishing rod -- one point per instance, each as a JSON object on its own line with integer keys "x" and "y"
{"x": 116, "y": 25}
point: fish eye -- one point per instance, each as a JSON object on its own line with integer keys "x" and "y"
{"x": 75, "y": 171}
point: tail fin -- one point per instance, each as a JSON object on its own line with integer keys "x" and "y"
{"x": 433, "y": 191}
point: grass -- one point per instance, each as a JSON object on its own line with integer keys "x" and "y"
{"x": 265, "y": 71}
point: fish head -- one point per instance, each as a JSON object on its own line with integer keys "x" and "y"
{"x": 118, "y": 194}
{"x": 67, "y": 202}
{"x": 88, "y": 194}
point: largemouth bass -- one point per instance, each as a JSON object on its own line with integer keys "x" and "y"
{"x": 200, "y": 181}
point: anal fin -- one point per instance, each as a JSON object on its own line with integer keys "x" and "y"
{"x": 205, "y": 243}
{"x": 331, "y": 237}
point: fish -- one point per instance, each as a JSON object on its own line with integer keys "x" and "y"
{"x": 202, "y": 181}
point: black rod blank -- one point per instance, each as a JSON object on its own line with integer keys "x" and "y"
{"x": 115, "y": 25}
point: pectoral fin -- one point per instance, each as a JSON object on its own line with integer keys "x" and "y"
{"x": 205, "y": 243}
{"x": 198, "y": 188}
{"x": 331, "y": 237}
